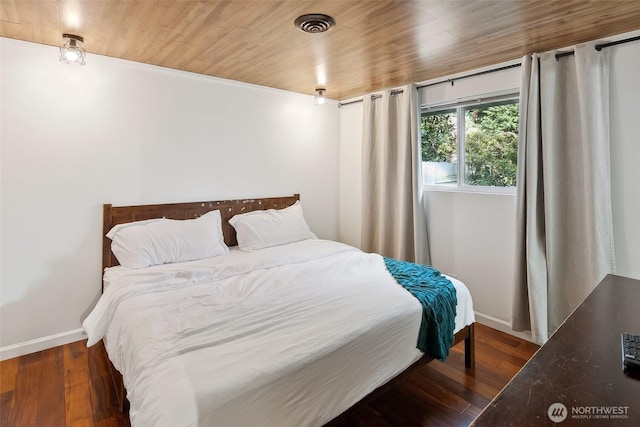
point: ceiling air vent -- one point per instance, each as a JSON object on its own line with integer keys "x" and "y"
{"x": 315, "y": 23}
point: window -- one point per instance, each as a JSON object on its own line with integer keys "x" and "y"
{"x": 471, "y": 145}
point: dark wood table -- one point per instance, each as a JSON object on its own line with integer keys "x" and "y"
{"x": 577, "y": 375}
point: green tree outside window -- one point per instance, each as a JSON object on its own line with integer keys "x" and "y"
{"x": 490, "y": 142}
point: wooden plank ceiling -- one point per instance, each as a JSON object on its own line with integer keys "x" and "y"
{"x": 375, "y": 44}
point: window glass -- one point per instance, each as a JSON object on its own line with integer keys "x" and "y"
{"x": 439, "y": 147}
{"x": 491, "y": 145}
{"x": 482, "y": 137}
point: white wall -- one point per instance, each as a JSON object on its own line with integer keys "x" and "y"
{"x": 625, "y": 156}
{"x": 471, "y": 235}
{"x": 73, "y": 138}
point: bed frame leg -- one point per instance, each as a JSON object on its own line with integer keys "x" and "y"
{"x": 469, "y": 349}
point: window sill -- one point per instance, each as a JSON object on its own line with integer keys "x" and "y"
{"x": 498, "y": 191}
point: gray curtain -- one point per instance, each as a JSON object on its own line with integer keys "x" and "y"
{"x": 564, "y": 221}
{"x": 393, "y": 215}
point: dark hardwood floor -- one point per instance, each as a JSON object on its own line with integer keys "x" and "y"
{"x": 70, "y": 386}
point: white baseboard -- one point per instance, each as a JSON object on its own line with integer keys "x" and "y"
{"x": 502, "y": 326}
{"x": 39, "y": 344}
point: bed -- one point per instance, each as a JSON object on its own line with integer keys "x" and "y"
{"x": 289, "y": 334}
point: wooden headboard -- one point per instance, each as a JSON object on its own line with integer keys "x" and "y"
{"x": 121, "y": 214}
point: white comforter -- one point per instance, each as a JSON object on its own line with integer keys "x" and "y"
{"x": 287, "y": 336}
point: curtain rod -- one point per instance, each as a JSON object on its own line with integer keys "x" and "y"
{"x": 559, "y": 55}
{"x": 373, "y": 96}
{"x": 355, "y": 101}
{"x": 599, "y": 47}
{"x": 479, "y": 73}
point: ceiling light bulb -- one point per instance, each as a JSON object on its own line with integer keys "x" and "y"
{"x": 71, "y": 55}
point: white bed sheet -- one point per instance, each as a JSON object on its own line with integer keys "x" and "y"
{"x": 288, "y": 336}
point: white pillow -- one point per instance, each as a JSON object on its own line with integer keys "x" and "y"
{"x": 119, "y": 227}
{"x": 144, "y": 243}
{"x": 265, "y": 228}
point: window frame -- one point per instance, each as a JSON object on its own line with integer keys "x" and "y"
{"x": 460, "y": 105}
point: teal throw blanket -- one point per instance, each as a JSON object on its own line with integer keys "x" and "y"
{"x": 437, "y": 295}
